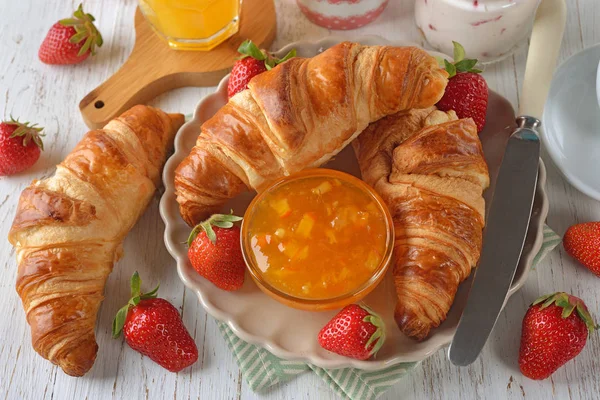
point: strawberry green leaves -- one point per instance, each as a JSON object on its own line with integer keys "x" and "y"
{"x": 569, "y": 304}
{"x": 136, "y": 297}
{"x": 378, "y": 337}
{"x": 85, "y": 29}
{"x": 460, "y": 64}
{"x": 27, "y": 132}
{"x": 459, "y": 51}
{"x": 272, "y": 62}
{"x": 249, "y": 49}
{"x": 219, "y": 220}
{"x": 450, "y": 68}
{"x": 466, "y": 66}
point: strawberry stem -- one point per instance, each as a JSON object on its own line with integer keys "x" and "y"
{"x": 219, "y": 220}
{"x": 460, "y": 64}
{"x": 85, "y": 30}
{"x": 136, "y": 297}
{"x": 249, "y": 49}
{"x": 378, "y": 337}
{"x": 27, "y": 132}
{"x": 459, "y": 51}
{"x": 568, "y": 303}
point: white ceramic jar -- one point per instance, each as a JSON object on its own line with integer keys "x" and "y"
{"x": 342, "y": 14}
{"x": 489, "y": 30}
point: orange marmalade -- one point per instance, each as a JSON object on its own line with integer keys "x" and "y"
{"x": 317, "y": 235}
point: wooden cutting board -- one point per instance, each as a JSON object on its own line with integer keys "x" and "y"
{"x": 154, "y": 68}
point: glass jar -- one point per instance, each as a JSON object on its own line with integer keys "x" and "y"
{"x": 489, "y": 30}
{"x": 342, "y": 14}
{"x": 317, "y": 240}
{"x": 192, "y": 24}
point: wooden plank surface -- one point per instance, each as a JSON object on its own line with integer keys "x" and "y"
{"x": 49, "y": 95}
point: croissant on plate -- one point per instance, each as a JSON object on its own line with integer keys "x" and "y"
{"x": 69, "y": 228}
{"x": 429, "y": 168}
{"x": 299, "y": 115}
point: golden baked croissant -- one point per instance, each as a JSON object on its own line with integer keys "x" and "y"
{"x": 299, "y": 115}
{"x": 69, "y": 228}
{"x": 428, "y": 166}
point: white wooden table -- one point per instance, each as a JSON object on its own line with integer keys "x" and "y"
{"x": 50, "y": 95}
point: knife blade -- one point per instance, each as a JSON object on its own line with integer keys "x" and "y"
{"x": 503, "y": 240}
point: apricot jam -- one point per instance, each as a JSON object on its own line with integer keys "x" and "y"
{"x": 317, "y": 235}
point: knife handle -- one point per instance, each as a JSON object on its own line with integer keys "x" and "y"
{"x": 544, "y": 47}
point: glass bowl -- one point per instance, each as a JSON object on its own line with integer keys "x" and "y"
{"x": 355, "y": 294}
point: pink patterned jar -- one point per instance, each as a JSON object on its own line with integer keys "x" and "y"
{"x": 342, "y": 14}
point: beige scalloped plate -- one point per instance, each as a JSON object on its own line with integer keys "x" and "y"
{"x": 292, "y": 334}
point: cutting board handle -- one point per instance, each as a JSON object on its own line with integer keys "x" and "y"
{"x": 153, "y": 68}
{"x": 132, "y": 84}
{"x": 544, "y": 47}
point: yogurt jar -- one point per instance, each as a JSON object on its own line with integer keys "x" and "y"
{"x": 489, "y": 30}
{"x": 342, "y": 14}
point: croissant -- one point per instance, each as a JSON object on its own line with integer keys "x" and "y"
{"x": 299, "y": 115}
{"x": 69, "y": 228}
{"x": 429, "y": 168}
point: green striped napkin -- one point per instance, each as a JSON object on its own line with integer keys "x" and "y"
{"x": 262, "y": 369}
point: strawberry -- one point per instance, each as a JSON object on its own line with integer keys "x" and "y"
{"x": 20, "y": 145}
{"x": 154, "y": 328}
{"x": 216, "y": 253}
{"x": 243, "y": 70}
{"x": 355, "y": 332}
{"x": 467, "y": 91}
{"x": 582, "y": 242}
{"x": 553, "y": 334}
{"x": 253, "y": 62}
{"x": 71, "y": 40}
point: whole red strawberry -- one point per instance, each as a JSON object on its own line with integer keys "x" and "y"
{"x": 20, "y": 145}
{"x": 355, "y": 332}
{"x": 254, "y": 62}
{"x": 467, "y": 91}
{"x": 216, "y": 252}
{"x": 555, "y": 330}
{"x": 582, "y": 242}
{"x": 154, "y": 328}
{"x": 71, "y": 40}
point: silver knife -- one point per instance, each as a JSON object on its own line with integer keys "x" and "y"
{"x": 503, "y": 240}
{"x": 512, "y": 201}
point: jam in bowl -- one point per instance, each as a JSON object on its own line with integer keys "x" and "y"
{"x": 317, "y": 240}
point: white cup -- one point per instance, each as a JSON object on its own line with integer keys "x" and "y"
{"x": 489, "y": 30}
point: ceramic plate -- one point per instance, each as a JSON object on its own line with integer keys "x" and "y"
{"x": 571, "y": 121}
{"x": 290, "y": 333}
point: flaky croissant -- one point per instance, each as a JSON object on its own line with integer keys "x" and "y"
{"x": 429, "y": 168}
{"x": 299, "y": 115}
{"x": 69, "y": 228}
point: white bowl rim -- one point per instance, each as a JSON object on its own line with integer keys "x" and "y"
{"x": 553, "y": 151}
{"x": 370, "y": 365}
